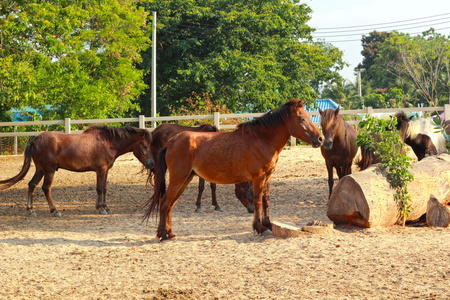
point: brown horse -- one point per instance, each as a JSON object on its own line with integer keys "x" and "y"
{"x": 249, "y": 153}
{"x": 421, "y": 144}
{"x": 339, "y": 146}
{"x": 95, "y": 149}
{"x": 165, "y": 131}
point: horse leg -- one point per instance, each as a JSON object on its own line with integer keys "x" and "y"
{"x": 201, "y": 188}
{"x": 177, "y": 185}
{"x": 265, "y": 203}
{"x": 258, "y": 186}
{"x": 214, "y": 198}
{"x": 101, "y": 192}
{"x": 330, "y": 179}
{"x": 169, "y": 214}
{"x": 47, "y": 187}
{"x": 31, "y": 188}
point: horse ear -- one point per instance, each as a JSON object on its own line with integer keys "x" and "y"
{"x": 410, "y": 118}
{"x": 320, "y": 111}
{"x": 336, "y": 112}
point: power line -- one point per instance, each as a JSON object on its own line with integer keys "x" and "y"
{"x": 378, "y": 24}
{"x": 361, "y": 33}
{"x": 401, "y": 25}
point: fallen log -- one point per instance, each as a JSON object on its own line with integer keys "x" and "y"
{"x": 367, "y": 199}
{"x": 438, "y": 214}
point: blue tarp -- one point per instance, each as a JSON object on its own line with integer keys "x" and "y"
{"x": 23, "y": 113}
{"x": 322, "y": 104}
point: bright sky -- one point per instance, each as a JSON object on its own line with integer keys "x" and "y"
{"x": 358, "y": 17}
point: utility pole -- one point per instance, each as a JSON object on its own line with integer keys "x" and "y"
{"x": 153, "y": 83}
{"x": 359, "y": 86}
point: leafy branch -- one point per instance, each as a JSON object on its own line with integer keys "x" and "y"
{"x": 382, "y": 137}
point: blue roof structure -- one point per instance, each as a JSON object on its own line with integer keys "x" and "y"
{"x": 322, "y": 104}
{"x": 23, "y": 114}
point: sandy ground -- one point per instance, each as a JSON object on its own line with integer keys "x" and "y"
{"x": 215, "y": 255}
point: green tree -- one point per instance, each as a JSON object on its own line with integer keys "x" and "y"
{"x": 370, "y": 50}
{"x": 78, "y": 56}
{"x": 249, "y": 55}
{"x": 420, "y": 61}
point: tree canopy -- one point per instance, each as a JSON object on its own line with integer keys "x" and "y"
{"x": 78, "y": 56}
{"x": 249, "y": 55}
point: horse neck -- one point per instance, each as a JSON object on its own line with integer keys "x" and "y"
{"x": 277, "y": 136}
{"x": 124, "y": 146}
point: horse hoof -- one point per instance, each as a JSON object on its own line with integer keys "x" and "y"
{"x": 165, "y": 240}
{"x": 199, "y": 211}
{"x": 57, "y": 214}
{"x": 108, "y": 211}
{"x": 219, "y": 209}
{"x": 33, "y": 214}
{"x": 266, "y": 232}
{"x": 102, "y": 211}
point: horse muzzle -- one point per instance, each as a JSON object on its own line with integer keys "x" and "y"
{"x": 150, "y": 164}
{"x": 317, "y": 143}
{"x": 328, "y": 144}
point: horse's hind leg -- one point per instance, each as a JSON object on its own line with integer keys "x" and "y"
{"x": 101, "y": 193}
{"x": 214, "y": 198}
{"x": 31, "y": 188}
{"x": 174, "y": 191}
{"x": 201, "y": 188}
{"x": 47, "y": 187}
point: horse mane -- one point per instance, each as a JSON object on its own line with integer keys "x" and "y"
{"x": 271, "y": 119}
{"x": 112, "y": 133}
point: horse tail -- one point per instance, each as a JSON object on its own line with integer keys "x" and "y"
{"x": 367, "y": 158}
{"x": 154, "y": 202}
{"x": 4, "y": 184}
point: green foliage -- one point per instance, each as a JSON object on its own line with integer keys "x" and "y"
{"x": 441, "y": 127}
{"x": 78, "y": 56}
{"x": 251, "y": 56}
{"x": 391, "y": 98}
{"x": 395, "y": 163}
{"x": 420, "y": 62}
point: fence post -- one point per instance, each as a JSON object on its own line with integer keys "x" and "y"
{"x": 370, "y": 111}
{"x": 141, "y": 121}
{"x": 67, "y": 125}
{"x": 446, "y": 112}
{"x": 293, "y": 141}
{"x": 15, "y": 141}
{"x": 217, "y": 120}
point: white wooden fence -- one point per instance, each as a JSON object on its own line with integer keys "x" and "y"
{"x": 216, "y": 117}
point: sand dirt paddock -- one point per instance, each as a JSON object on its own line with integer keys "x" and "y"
{"x": 216, "y": 255}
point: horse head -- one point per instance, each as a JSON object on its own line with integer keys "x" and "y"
{"x": 301, "y": 126}
{"x": 331, "y": 125}
{"x": 142, "y": 149}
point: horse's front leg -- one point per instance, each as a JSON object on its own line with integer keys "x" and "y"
{"x": 265, "y": 204}
{"x": 258, "y": 186}
{"x": 100, "y": 205}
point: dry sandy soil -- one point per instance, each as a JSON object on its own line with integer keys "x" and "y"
{"x": 216, "y": 255}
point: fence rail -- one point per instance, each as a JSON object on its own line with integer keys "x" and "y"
{"x": 216, "y": 117}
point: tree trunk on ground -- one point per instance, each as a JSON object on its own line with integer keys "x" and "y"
{"x": 438, "y": 214}
{"x": 367, "y": 199}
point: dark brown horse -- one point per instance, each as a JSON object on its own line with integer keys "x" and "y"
{"x": 339, "y": 146}
{"x": 95, "y": 149}
{"x": 421, "y": 144}
{"x": 165, "y": 131}
{"x": 250, "y": 153}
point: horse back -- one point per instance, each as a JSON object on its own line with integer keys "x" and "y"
{"x": 220, "y": 157}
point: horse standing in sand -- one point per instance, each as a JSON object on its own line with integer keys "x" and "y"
{"x": 339, "y": 146}
{"x": 249, "y": 153}
{"x": 95, "y": 149}
{"x": 165, "y": 131}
